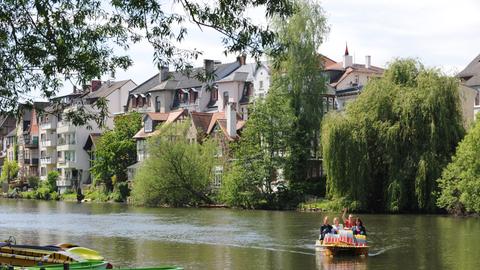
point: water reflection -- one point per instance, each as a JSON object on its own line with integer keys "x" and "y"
{"x": 234, "y": 239}
{"x": 340, "y": 263}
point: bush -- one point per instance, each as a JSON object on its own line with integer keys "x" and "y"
{"x": 95, "y": 195}
{"x": 33, "y": 181}
{"x": 28, "y": 194}
{"x": 68, "y": 196}
{"x": 52, "y": 178}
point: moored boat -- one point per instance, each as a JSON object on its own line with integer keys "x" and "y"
{"x": 27, "y": 255}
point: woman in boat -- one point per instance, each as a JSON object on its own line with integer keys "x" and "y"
{"x": 325, "y": 229}
{"x": 347, "y": 223}
{"x": 336, "y": 226}
{"x": 359, "y": 228}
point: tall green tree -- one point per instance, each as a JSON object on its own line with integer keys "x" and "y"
{"x": 116, "y": 150}
{"x": 260, "y": 154}
{"x": 46, "y": 42}
{"x": 176, "y": 172}
{"x": 385, "y": 152}
{"x": 298, "y": 72}
{"x": 9, "y": 171}
{"x": 460, "y": 181}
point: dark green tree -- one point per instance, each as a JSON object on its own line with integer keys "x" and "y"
{"x": 386, "y": 151}
{"x": 116, "y": 150}
{"x": 176, "y": 172}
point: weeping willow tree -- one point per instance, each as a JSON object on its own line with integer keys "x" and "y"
{"x": 385, "y": 152}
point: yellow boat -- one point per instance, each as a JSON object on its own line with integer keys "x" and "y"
{"x": 26, "y": 255}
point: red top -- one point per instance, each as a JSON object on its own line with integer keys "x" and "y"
{"x": 347, "y": 224}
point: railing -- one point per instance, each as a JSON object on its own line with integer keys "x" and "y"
{"x": 47, "y": 160}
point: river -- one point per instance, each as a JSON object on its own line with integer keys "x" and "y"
{"x": 234, "y": 239}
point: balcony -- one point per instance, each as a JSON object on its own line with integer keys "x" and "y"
{"x": 51, "y": 142}
{"x": 48, "y": 160}
{"x": 31, "y": 142}
{"x": 62, "y": 163}
{"x": 65, "y": 127}
{"x": 48, "y": 125}
{"x": 64, "y": 182}
{"x": 31, "y": 161}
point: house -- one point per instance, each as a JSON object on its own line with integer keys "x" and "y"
{"x": 168, "y": 91}
{"x": 27, "y": 139}
{"x": 151, "y": 121}
{"x": 347, "y": 79}
{"x": 224, "y": 127}
{"x": 7, "y": 125}
{"x": 470, "y": 85}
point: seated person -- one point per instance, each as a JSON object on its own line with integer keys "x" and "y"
{"x": 336, "y": 226}
{"x": 347, "y": 223}
{"x": 325, "y": 229}
{"x": 359, "y": 228}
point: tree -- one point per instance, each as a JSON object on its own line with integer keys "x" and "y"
{"x": 385, "y": 152}
{"x": 260, "y": 155}
{"x": 52, "y": 178}
{"x": 9, "y": 171}
{"x": 298, "y": 72}
{"x": 116, "y": 150}
{"x": 176, "y": 172}
{"x": 460, "y": 181}
{"x": 45, "y": 42}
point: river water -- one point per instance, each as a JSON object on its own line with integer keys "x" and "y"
{"x": 235, "y": 239}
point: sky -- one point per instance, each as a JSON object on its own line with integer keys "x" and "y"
{"x": 440, "y": 33}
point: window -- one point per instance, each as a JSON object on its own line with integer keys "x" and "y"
{"x": 357, "y": 79}
{"x": 260, "y": 85}
{"x": 134, "y": 102}
{"x": 477, "y": 99}
{"x": 70, "y": 156}
{"x": 217, "y": 176}
{"x": 148, "y": 125}
{"x": 214, "y": 93}
{"x": 157, "y": 104}
{"x": 225, "y": 99}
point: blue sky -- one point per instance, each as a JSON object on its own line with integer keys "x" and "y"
{"x": 440, "y": 33}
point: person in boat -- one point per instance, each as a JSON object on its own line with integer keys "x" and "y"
{"x": 347, "y": 223}
{"x": 336, "y": 226}
{"x": 325, "y": 229}
{"x": 359, "y": 228}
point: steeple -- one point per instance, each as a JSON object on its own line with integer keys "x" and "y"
{"x": 347, "y": 59}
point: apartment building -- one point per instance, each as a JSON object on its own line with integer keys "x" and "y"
{"x": 7, "y": 125}
{"x": 62, "y": 144}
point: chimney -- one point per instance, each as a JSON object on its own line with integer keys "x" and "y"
{"x": 231, "y": 116}
{"x": 347, "y": 59}
{"x": 96, "y": 84}
{"x": 163, "y": 74}
{"x": 242, "y": 59}
{"x": 208, "y": 66}
{"x": 368, "y": 61}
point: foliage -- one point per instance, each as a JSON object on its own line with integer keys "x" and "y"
{"x": 43, "y": 43}
{"x": 298, "y": 73}
{"x": 176, "y": 173}
{"x": 43, "y": 191}
{"x": 68, "y": 196}
{"x": 385, "y": 152}
{"x": 116, "y": 150}
{"x": 33, "y": 181}
{"x": 120, "y": 192}
{"x": 460, "y": 181}
{"x": 52, "y": 178}
{"x": 9, "y": 171}
{"x": 95, "y": 195}
{"x": 253, "y": 176}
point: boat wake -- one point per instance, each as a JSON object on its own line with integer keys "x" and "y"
{"x": 381, "y": 251}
